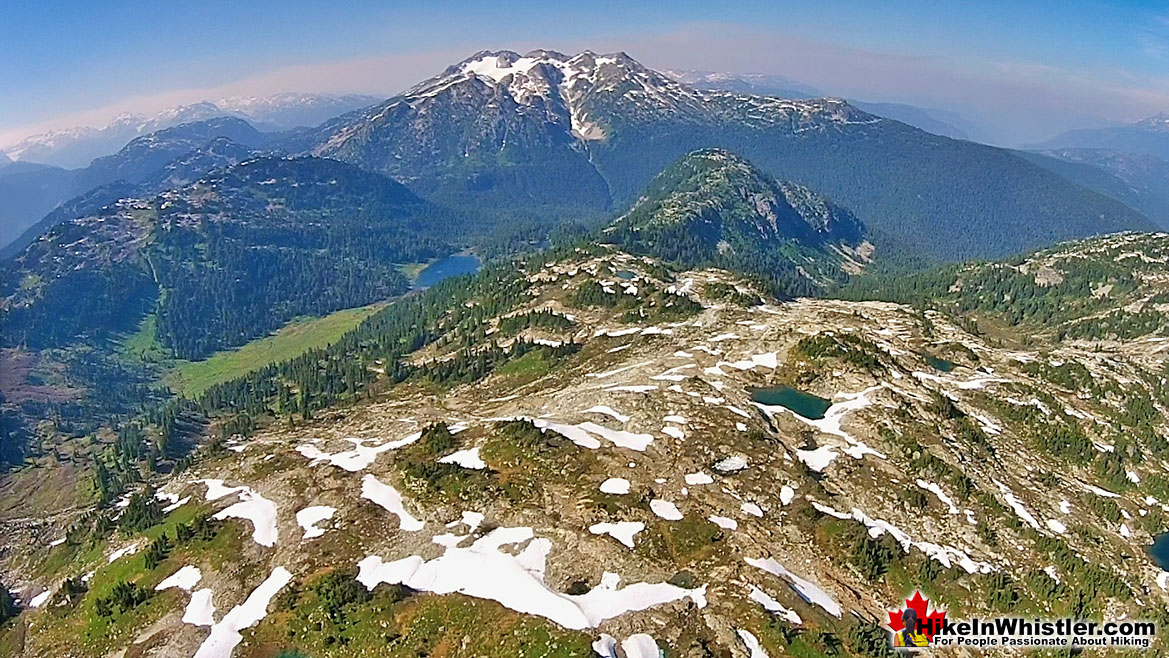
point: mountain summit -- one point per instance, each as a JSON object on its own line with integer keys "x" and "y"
{"x": 715, "y": 208}
{"x": 557, "y": 135}
{"x": 1148, "y": 136}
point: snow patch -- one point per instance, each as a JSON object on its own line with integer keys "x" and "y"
{"x": 751, "y": 509}
{"x": 724, "y": 522}
{"x": 309, "y": 517}
{"x": 225, "y": 635}
{"x": 251, "y": 506}
{"x": 622, "y": 531}
{"x": 771, "y": 605}
{"x": 357, "y": 458}
{"x": 482, "y": 570}
{"x": 389, "y": 498}
{"x": 698, "y": 478}
{"x": 468, "y": 458}
{"x": 617, "y": 486}
{"x": 665, "y": 509}
{"x": 808, "y": 591}
{"x": 731, "y": 464}
{"x": 184, "y": 579}
{"x": 608, "y": 411}
{"x": 754, "y": 649}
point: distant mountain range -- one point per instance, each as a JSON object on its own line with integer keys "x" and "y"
{"x": 147, "y": 165}
{"x": 76, "y": 147}
{"x": 1149, "y": 136}
{"x": 547, "y": 137}
{"x": 696, "y": 399}
{"x": 578, "y": 134}
{"x": 760, "y": 84}
{"x": 939, "y": 122}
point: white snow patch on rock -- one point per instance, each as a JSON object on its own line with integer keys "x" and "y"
{"x": 698, "y": 478}
{"x": 357, "y": 458}
{"x": 724, "y": 522}
{"x": 177, "y": 504}
{"x": 200, "y": 610}
{"x": 570, "y": 432}
{"x": 225, "y": 635}
{"x": 817, "y": 459}
{"x": 615, "y": 486}
{"x": 468, "y": 458}
{"x": 665, "y": 509}
{"x": 731, "y": 464}
{"x": 754, "y": 649}
{"x": 1020, "y": 510}
{"x": 129, "y": 549}
{"x": 482, "y": 570}
{"x": 309, "y": 517}
{"x": 808, "y": 591}
{"x": 771, "y": 605}
{"x": 622, "y": 531}
{"x": 40, "y": 599}
{"x": 255, "y": 508}
{"x": 608, "y": 411}
{"x": 786, "y": 495}
{"x": 389, "y": 498}
{"x": 184, "y": 579}
{"x": 751, "y": 509}
{"x": 640, "y": 645}
{"x": 619, "y": 438}
{"x": 937, "y": 491}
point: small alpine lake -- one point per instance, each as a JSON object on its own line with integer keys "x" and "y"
{"x": 444, "y": 268}
{"x": 1159, "y": 551}
{"x": 807, "y": 405}
{"x": 939, "y": 364}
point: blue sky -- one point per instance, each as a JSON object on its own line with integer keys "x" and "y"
{"x": 1021, "y": 69}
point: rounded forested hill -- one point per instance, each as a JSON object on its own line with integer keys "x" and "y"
{"x": 224, "y": 260}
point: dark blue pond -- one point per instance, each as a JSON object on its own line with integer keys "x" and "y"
{"x": 805, "y": 404}
{"x": 453, "y": 265}
{"x": 939, "y": 364}
{"x": 1159, "y": 551}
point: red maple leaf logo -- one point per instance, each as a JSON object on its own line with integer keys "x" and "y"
{"x": 931, "y": 622}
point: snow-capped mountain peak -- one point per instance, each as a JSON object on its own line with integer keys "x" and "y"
{"x": 1159, "y": 122}
{"x": 499, "y": 100}
{"x": 577, "y": 90}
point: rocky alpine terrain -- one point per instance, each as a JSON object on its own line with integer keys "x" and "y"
{"x": 592, "y": 452}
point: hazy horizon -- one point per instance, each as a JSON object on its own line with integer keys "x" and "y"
{"x": 1093, "y": 64}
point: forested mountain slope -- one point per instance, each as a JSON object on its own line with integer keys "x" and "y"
{"x": 227, "y": 258}
{"x": 712, "y": 208}
{"x": 154, "y": 162}
{"x": 588, "y": 132}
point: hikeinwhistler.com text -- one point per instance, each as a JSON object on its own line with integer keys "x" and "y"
{"x": 1043, "y": 633}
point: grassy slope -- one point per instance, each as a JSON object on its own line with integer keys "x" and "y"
{"x": 193, "y": 377}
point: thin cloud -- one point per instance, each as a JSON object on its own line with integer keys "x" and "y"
{"x": 1019, "y": 100}
{"x": 382, "y": 76}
